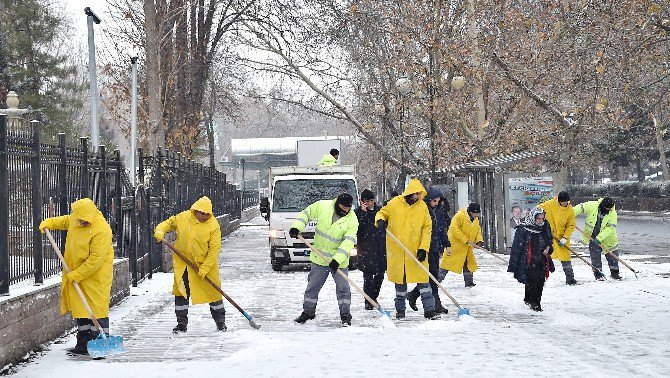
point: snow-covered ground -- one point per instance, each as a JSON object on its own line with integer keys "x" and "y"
{"x": 610, "y": 328}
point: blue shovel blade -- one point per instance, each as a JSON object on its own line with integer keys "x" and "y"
{"x": 105, "y": 347}
{"x": 463, "y": 311}
{"x": 387, "y": 313}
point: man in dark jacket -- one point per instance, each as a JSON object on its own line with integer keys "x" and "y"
{"x": 371, "y": 247}
{"x": 438, "y": 242}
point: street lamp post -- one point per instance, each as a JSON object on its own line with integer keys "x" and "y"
{"x": 95, "y": 130}
{"x": 404, "y": 86}
{"x": 133, "y": 119}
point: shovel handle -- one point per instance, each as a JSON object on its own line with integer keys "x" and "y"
{"x": 493, "y": 254}
{"x": 606, "y": 250}
{"x": 341, "y": 273}
{"x": 422, "y": 267}
{"x": 66, "y": 268}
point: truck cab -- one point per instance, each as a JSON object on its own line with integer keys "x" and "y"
{"x": 292, "y": 190}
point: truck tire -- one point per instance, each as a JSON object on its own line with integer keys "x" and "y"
{"x": 276, "y": 265}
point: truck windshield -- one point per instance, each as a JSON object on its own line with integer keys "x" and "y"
{"x": 295, "y": 195}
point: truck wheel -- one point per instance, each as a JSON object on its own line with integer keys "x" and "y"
{"x": 276, "y": 265}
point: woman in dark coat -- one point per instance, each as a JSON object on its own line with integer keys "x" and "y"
{"x": 371, "y": 245}
{"x": 529, "y": 259}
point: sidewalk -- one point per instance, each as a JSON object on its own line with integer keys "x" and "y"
{"x": 597, "y": 328}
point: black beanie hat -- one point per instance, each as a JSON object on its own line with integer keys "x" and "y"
{"x": 563, "y": 196}
{"x": 474, "y": 208}
{"x": 367, "y": 195}
{"x": 607, "y": 203}
{"x": 345, "y": 199}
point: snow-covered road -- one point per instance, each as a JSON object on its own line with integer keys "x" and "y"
{"x": 595, "y": 329}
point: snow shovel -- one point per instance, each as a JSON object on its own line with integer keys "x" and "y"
{"x": 217, "y": 287}
{"x": 103, "y": 346}
{"x": 583, "y": 259}
{"x": 608, "y": 251}
{"x": 351, "y": 282}
{"x": 461, "y": 310}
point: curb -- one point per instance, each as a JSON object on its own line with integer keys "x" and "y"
{"x": 628, "y": 214}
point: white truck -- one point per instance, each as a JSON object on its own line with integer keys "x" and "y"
{"x": 292, "y": 189}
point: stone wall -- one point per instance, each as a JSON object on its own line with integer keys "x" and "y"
{"x": 31, "y": 319}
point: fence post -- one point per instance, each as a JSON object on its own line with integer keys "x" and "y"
{"x": 160, "y": 212}
{"x": 85, "y": 191}
{"x": 103, "y": 181}
{"x": 63, "y": 184}
{"x": 4, "y": 209}
{"x": 37, "y": 205}
{"x": 119, "y": 205}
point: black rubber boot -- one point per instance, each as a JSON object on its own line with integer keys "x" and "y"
{"x": 615, "y": 274}
{"x": 221, "y": 326}
{"x": 369, "y": 306}
{"x": 80, "y": 348}
{"x": 304, "y": 317}
{"x": 431, "y": 314}
{"x": 411, "y": 298}
{"x": 400, "y": 314}
{"x": 346, "y": 320}
{"x": 570, "y": 281}
{"x": 181, "y": 327}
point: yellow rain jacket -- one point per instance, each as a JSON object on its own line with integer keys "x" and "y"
{"x": 562, "y": 222}
{"x": 607, "y": 235}
{"x": 461, "y": 231}
{"x": 201, "y": 244}
{"x": 327, "y": 159}
{"x": 412, "y": 226}
{"x": 90, "y": 256}
{"x": 334, "y": 240}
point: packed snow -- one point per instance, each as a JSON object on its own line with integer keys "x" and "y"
{"x": 610, "y": 328}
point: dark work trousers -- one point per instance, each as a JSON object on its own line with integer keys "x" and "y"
{"x": 595, "y": 251}
{"x": 372, "y": 283}
{"x": 87, "y": 331}
{"x": 534, "y": 282}
{"x": 181, "y": 306}
{"x": 434, "y": 269}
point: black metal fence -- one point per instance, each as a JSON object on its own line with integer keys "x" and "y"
{"x": 40, "y": 180}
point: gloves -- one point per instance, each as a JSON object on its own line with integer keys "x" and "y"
{"x": 158, "y": 234}
{"x": 421, "y": 255}
{"x": 43, "y": 225}
{"x": 563, "y": 242}
{"x": 382, "y": 224}
{"x": 293, "y": 232}
{"x": 334, "y": 265}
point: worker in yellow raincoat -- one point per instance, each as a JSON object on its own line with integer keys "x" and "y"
{"x": 90, "y": 256}
{"x": 199, "y": 240}
{"x": 561, "y": 218}
{"x": 464, "y": 234}
{"x": 407, "y": 218}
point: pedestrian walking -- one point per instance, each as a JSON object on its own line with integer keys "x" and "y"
{"x": 90, "y": 256}
{"x": 335, "y": 237}
{"x": 371, "y": 245}
{"x": 529, "y": 259}
{"x": 199, "y": 240}
{"x": 601, "y": 223}
{"x": 438, "y": 242}
{"x": 407, "y": 217}
{"x": 464, "y": 234}
{"x": 561, "y": 218}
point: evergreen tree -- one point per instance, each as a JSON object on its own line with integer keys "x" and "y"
{"x": 30, "y": 35}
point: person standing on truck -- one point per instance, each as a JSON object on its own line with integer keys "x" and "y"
{"x": 199, "y": 239}
{"x": 330, "y": 158}
{"x": 334, "y": 237}
{"x": 407, "y": 217}
{"x": 371, "y": 247}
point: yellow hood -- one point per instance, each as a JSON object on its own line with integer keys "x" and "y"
{"x": 415, "y": 187}
{"x": 203, "y": 205}
{"x": 85, "y": 209}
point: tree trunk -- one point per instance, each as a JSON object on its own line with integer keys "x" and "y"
{"x": 210, "y": 140}
{"x": 477, "y": 64}
{"x": 640, "y": 172}
{"x": 660, "y": 144}
{"x": 156, "y": 129}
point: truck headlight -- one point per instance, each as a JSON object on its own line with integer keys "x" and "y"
{"x": 277, "y": 234}
{"x": 354, "y": 252}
